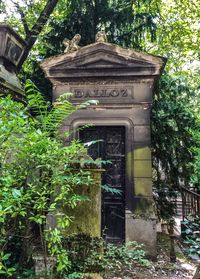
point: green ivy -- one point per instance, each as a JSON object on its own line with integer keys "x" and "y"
{"x": 191, "y": 235}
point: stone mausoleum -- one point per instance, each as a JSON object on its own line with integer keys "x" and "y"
{"x": 122, "y": 80}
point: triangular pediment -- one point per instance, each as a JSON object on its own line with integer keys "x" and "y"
{"x": 102, "y": 59}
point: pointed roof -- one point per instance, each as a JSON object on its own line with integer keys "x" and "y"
{"x": 102, "y": 59}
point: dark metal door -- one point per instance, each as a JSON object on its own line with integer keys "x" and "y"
{"x": 111, "y": 146}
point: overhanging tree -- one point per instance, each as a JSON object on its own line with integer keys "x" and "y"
{"x": 32, "y": 21}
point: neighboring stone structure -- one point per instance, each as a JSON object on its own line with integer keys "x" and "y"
{"x": 11, "y": 50}
{"x": 122, "y": 80}
{"x": 87, "y": 215}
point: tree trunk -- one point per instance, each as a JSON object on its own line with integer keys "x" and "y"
{"x": 37, "y": 28}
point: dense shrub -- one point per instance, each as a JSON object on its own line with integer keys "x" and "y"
{"x": 36, "y": 177}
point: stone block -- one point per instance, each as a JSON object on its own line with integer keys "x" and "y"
{"x": 141, "y": 115}
{"x": 143, "y": 92}
{"x": 142, "y": 133}
{"x": 87, "y": 215}
{"x": 142, "y": 168}
{"x": 143, "y": 207}
{"x": 143, "y": 187}
{"x": 142, "y": 152}
{"x": 42, "y": 270}
{"x": 143, "y": 231}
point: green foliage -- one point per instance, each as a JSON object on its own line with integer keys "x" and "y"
{"x": 117, "y": 18}
{"x": 111, "y": 190}
{"x": 177, "y": 31}
{"x": 74, "y": 275}
{"x": 31, "y": 10}
{"x": 164, "y": 27}
{"x": 26, "y": 274}
{"x": 192, "y": 236}
{"x": 37, "y": 177}
{"x": 173, "y": 147}
{"x": 125, "y": 255}
{"x": 4, "y": 269}
{"x": 94, "y": 255}
{"x": 195, "y": 179}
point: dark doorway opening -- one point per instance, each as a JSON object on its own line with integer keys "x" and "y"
{"x": 110, "y": 146}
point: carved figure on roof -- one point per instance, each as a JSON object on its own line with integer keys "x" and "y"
{"x": 72, "y": 45}
{"x": 101, "y": 37}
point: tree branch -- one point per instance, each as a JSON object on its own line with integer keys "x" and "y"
{"x": 37, "y": 28}
{"x": 25, "y": 25}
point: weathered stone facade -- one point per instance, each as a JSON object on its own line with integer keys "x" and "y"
{"x": 11, "y": 50}
{"x": 122, "y": 80}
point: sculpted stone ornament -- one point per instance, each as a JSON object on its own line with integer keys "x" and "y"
{"x": 101, "y": 37}
{"x": 72, "y": 45}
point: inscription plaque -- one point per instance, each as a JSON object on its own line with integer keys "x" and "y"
{"x": 105, "y": 94}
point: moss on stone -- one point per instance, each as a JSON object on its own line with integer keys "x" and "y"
{"x": 142, "y": 168}
{"x": 87, "y": 215}
{"x": 143, "y": 208}
{"x": 143, "y": 187}
{"x": 142, "y": 153}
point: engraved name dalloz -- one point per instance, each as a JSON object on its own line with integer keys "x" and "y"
{"x": 101, "y": 93}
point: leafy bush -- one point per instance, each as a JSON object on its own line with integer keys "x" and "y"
{"x": 191, "y": 233}
{"x": 173, "y": 147}
{"x": 89, "y": 254}
{"x": 74, "y": 275}
{"x": 196, "y": 164}
{"x": 36, "y": 177}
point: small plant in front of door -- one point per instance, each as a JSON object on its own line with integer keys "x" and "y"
{"x": 91, "y": 254}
